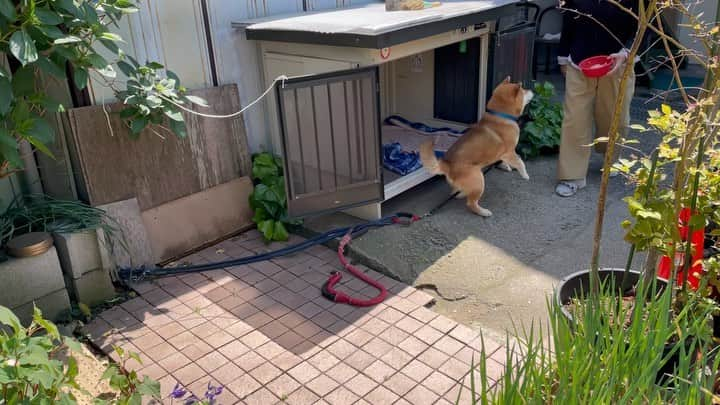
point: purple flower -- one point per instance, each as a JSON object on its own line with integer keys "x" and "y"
{"x": 178, "y": 392}
{"x": 191, "y": 400}
{"x": 212, "y": 392}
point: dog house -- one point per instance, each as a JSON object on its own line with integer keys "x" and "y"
{"x": 351, "y": 69}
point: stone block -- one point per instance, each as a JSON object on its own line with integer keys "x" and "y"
{"x": 26, "y": 279}
{"x": 52, "y": 306}
{"x": 94, "y": 287}
{"x": 127, "y": 214}
{"x": 79, "y": 252}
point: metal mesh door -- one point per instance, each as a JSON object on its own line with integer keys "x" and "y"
{"x": 330, "y": 130}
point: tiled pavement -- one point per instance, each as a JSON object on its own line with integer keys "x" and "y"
{"x": 266, "y": 334}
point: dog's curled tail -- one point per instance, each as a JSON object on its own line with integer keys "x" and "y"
{"x": 431, "y": 163}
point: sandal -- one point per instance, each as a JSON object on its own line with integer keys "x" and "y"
{"x": 568, "y": 188}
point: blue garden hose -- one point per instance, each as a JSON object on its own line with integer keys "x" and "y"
{"x": 137, "y": 274}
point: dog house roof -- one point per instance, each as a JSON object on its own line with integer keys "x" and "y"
{"x": 370, "y": 26}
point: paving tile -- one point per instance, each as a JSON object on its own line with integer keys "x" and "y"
{"x": 381, "y": 396}
{"x": 391, "y": 315}
{"x": 283, "y": 386}
{"x": 448, "y": 345}
{"x": 204, "y": 330}
{"x": 324, "y": 339}
{"x": 438, "y": 383}
{"x": 217, "y": 294}
{"x": 292, "y": 319}
{"x": 454, "y": 369}
{"x": 393, "y": 335}
{"x": 409, "y": 324}
{"x": 468, "y": 355}
{"x": 379, "y": 371}
{"x": 212, "y": 361}
{"x": 231, "y": 302}
{"x": 463, "y": 333}
{"x": 421, "y": 298}
{"x": 234, "y": 349}
{"x": 359, "y": 337}
{"x": 342, "y": 349}
{"x": 341, "y": 396}
{"x": 375, "y": 326}
{"x": 254, "y": 339}
{"x": 421, "y": 396}
{"x": 324, "y": 361}
{"x": 153, "y": 371}
{"x": 249, "y": 361}
{"x": 360, "y": 360}
{"x": 243, "y": 385}
{"x": 325, "y": 319}
{"x": 424, "y": 315}
{"x": 417, "y": 370}
{"x": 160, "y": 352}
{"x": 219, "y": 339}
{"x": 443, "y": 324}
{"x": 304, "y": 372}
{"x": 260, "y": 397}
{"x": 270, "y": 350}
{"x": 265, "y": 373}
{"x": 309, "y": 310}
{"x": 396, "y": 358}
{"x": 189, "y": 374}
{"x": 377, "y": 347}
{"x": 238, "y": 329}
{"x": 148, "y": 340}
{"x": 302, "y": 396}
{"x": 287, "y": 360}
{"x": 307, "y": 329}
{"x": 342, "y": 373}
{"x": 289, "y": 340}
{"x": 361, "y": 385}
{"x": 273, "y": 330}
{"x": 267, "y": 268}
{"x": 225, "y": 374}
{"x": 197, "y": 350}
{"x": 428, "y": 334}
{"x": 433, "y": 357}
{"x": 174, "y": 361}
{"x": 277, "y": 310}
{"x": 322, "y": 385}
{"x": 258, "y": 320}
{"x": 182, "y": 340}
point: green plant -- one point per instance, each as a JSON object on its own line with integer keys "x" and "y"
{"x": 129, "y": 387}
{"x": 31, "y": 371}
{"x": 268, "y": 200}
{"x": 41, "y": 39}
{"x": 542, "y": 133}
{"x": 595, "y": 361}
{"x": 41, "y": 213}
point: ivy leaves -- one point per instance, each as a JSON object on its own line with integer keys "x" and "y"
{"x": 23, "y": 48}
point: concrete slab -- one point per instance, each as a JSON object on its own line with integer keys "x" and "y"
{"x": 52, "y": 306}
{"x": 94, "y": 287}
{"x": 28, "y": 278}
{"x": 79, "y": 252}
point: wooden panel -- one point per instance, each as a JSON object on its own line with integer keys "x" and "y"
{"x": 158, "y": 167}
{"x": 199, "y": 219}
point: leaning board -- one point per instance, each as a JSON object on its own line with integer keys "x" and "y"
{"x": 158, "y": 167}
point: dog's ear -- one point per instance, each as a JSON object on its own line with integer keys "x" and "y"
{"x": 507, "y": 80}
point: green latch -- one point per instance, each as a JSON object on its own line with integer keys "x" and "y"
{"x": 463, "y": 46}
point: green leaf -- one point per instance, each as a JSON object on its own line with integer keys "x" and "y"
{"x": 173, "y": 113}
{"x": 279, "y": 232}
{"x": 48, "y": 17}
{"x": 49, "y": 327}
{"x": 110, "y": 45}
{"x": 80, "y": 75}
{"x": 50, "y": 67}
{"x": 70, "y": 39}
{"x": 149, "y": 387}
{"x": 197, "y": 100}
{"x": 267, "y": 228}
{"x": 649, "y": 214}
{"x": 7, "y": 9}
{"x": 109, "y": 372}
{"x": 179, "y": 128}
{"x": 97, "y": 61}
{"x": 6, "y": 95}
{"x": 72, "y": 367}
{"x": 111, "y": 37}
{"x": 108, "y": 71}
{"x": 23, "y": 81}
{"x": 138, "y": 124}
{"x": 126, "y": 68}
{"x": 23, "y": 47}
{"x": 7, "y": 317}
{"x": 9, "y": 148}
{"x": 73, "y": 345}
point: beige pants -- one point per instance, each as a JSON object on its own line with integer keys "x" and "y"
{"x": 589, "y": 101}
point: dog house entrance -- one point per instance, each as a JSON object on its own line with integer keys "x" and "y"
{"x": 330, "y": 139}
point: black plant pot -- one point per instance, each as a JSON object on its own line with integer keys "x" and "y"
{"x": 577, "y": 284}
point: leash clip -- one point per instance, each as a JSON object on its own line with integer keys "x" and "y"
{"x": 405, "y": 218}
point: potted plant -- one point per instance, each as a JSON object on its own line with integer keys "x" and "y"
{"x": 677, "y": 177}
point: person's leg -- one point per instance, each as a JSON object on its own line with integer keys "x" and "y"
{"x": 577, "y": 129}
{"x": 607, "y": 96}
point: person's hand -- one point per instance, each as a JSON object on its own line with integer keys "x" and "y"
{"x": 618, "y": 60}
{"x": 563, "y": 69}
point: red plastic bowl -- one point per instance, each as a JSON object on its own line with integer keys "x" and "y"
{"x": 596, "y": 66}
